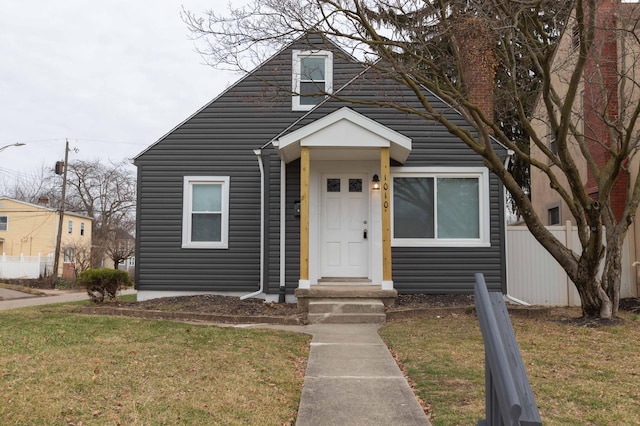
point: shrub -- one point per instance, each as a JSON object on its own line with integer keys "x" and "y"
{"x": 61, "y": 284}
{"x": 104, "y": 282}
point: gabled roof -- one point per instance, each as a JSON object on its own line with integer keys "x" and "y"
{"x": 311, "y": 38}
{"x": 330, "y": 130}
{"x": 38, "y": 206}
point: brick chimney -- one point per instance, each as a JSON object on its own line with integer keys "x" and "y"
{"x": 43, "y": 200}
{"x": 476, "y": 44}
{"x": 601, "y": 97}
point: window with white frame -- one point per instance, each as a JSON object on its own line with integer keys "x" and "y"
{"x": 82, "y": 228}
{"x": 4, "y": 223}
{"x": 205, "y": 217}
{"x": 440, "y": 207}
{"x": 312, "y": 78}
{"x": 70, "y": 227}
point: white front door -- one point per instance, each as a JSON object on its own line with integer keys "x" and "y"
{"x": 344, "y": 216}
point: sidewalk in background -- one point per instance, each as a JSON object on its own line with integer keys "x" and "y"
{"x": 12, "y": 299}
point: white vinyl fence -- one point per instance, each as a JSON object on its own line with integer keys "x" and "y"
{"x": 25, "y": 266}
{"x": 535, "y": 277}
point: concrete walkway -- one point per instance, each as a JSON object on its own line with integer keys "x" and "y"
{"x": 352, "y": 379}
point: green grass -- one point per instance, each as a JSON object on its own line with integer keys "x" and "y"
{"x": 59, "y": 367}
{"x": 580, "y": 376}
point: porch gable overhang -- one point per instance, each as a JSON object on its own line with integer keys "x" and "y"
{"x": 343, "y": 129}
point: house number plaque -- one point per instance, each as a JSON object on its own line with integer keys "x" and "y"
{"x": 385, "y": 192}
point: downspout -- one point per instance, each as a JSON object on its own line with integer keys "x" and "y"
{"x": 283, "y": 220}
{"x": 509, "y": 297}
{"x": 258, "y": 154}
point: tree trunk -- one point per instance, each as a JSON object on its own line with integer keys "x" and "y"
{"x": 589, "y": 288}
{"x": 600, "y": 297}
{"x": 612, "y": 274}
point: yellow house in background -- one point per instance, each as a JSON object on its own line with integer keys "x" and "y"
{"x": 30, "y": 230}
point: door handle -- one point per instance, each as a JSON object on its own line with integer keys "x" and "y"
{"x": 365, "y": 234}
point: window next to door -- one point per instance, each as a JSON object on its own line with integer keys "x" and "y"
{"x": 440, "y": 207}
{"x": 205, "y": 212}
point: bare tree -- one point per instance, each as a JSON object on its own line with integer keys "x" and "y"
{"x": 80, "y": 254}
{"x": 121, "y": 243}
{"x": 426, "y": 45}
{"x": 35, "y": 187}
{"x": 107, "y": 193}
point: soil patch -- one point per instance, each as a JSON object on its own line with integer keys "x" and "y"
{"x": 214, "y": 304}
{"x": 406, "y": 306}
{"x": 631, "y": 304}
{"x": 227, "y": 305}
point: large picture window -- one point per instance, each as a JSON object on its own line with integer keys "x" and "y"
{"x": 312, "y": 78}
{"x": 205, "y": 212}
{"x": 440, "y": 207}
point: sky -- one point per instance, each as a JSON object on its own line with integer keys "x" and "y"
{"x": 109, "y": 76}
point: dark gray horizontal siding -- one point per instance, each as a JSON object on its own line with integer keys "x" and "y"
{"x": 164, "y": 265}
{"x": 219, "y": 141}
{"x": 427, "y": 269}
{"x": 293, "y": 226}
{"x": 272, "y": 281}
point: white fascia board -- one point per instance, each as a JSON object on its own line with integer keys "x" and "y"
{"x": 372, "y": 134}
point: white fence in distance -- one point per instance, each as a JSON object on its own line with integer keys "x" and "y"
{"x": 25, "y": 266}
{"x": 535, "y": 277}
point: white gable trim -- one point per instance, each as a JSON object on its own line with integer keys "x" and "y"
{"x": 363, "y": 133}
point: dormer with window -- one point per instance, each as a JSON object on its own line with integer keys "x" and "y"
{"x": 312, "y": 78}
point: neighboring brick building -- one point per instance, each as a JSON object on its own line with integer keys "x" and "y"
{"x": 616, "y": 52}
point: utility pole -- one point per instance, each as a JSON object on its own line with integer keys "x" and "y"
{"x": 56, "y": 259}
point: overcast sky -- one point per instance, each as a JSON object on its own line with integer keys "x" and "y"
{"x": 111, "y": 76}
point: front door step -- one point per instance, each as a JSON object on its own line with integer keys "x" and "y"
{"x": 306, "y": 295}
{"x": 346, "y": 311}
{"x": 344, "y": 281}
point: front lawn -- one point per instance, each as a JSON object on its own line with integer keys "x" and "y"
{"x": 580, "y": 375}
{"x": 59, "y": 367}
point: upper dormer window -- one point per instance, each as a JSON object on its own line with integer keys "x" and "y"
{"x": 312, "y": 78}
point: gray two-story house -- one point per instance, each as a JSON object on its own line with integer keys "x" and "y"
{"x": 274, "y": 186}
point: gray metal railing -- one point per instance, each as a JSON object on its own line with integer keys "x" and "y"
{"x": 509, "y": 399}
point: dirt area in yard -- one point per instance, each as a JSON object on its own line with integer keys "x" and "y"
{"x": 225, "y": 305}
{"x": 407, "y": 306}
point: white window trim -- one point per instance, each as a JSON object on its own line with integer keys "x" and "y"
{"x": 481, "y": 173}
{"x": 186, "y": 213}
{"x": 6, "y": 223}
{"x": 295, "y": 80}
{"x": 70, "y": 227}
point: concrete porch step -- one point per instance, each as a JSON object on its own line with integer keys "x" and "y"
{"x": 346, "y": 306}
{"x": 318, "y": 292}
{"x": 346, "y": 311}
{"x": 346, "y": 318}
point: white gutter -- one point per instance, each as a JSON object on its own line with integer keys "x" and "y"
{"x": 258, "y": 154}
{"x": 510, "y": 153}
